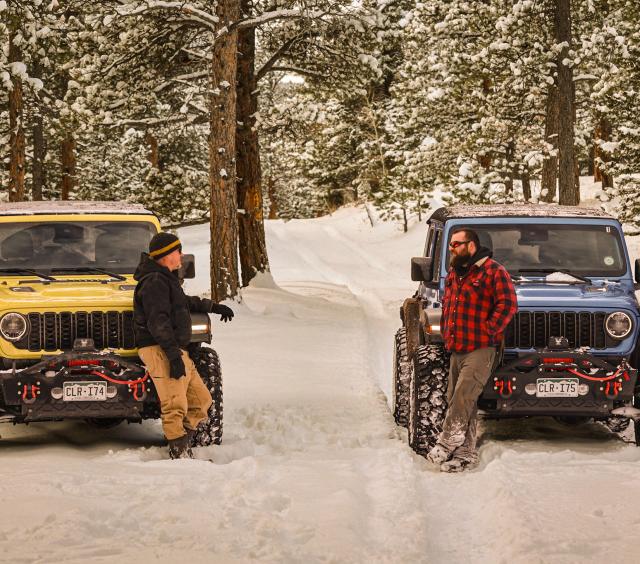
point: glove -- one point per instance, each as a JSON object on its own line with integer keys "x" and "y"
{"x": 225, "y": 312}
{"x": 176, "y": 368}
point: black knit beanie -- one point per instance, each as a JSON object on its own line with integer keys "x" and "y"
{"x": 162, "y": 244}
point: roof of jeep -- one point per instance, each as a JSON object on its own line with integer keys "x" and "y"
{"x": 516, "y": 210}
{"x": 72, "y": 207}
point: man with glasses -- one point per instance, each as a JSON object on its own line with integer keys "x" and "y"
{"x": 479, "y": 301}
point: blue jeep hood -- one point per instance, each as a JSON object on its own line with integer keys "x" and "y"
{"x": 599, "y": 295}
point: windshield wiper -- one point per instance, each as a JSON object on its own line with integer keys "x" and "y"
{"x": 28, "y": 271}
{"x": 89, "y": 269}
{"x": 561, "y": 270}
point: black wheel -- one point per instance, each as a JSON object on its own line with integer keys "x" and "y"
{"x": 207, "y": 363}
{"x": 636, "y": 428}
{"x": 427, "y": 396}
{"x": 104, "y": 422}
{"x": 401, "y": 378}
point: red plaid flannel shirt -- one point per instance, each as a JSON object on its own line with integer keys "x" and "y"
{"x": 476, "y": 309}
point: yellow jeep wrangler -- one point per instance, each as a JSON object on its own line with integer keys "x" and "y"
{"x": 67, "y": 347}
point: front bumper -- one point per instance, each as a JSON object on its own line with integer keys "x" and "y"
{"x": 35, "y": 393}
{"x": 515, "y": 389}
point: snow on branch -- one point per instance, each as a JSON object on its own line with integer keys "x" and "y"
{"x": 276, "y": 15}
{"x": 193, "y": 14}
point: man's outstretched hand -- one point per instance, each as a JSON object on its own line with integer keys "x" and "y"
{"x": 225, "y": 312}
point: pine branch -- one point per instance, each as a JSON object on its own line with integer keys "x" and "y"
{"x": 193, "y": 14}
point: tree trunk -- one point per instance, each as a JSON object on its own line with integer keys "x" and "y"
{"x": 525, "y": 178}
{"x": 568, "y": 195}
{"x": 39, "y": 155}
{"x": 222, "y": 152}
{"x": 253, "y": 248}
{"x": 16, "y": 136}
{"x": 510, "y": 152}
{"x": 602, "y": 133}
{"x": 549, "y": 180}
{"x": 68, "y": 159}
{"x": 271, "y": 191}
{"x": 154, "y": 155}
{"x": 39, "y": 147}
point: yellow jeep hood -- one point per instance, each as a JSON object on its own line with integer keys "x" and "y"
{"x": 69, "y": 293}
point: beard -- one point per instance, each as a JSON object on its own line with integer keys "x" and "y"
{"x": 459, "y": 260}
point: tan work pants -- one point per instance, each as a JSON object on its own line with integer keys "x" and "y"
{"x": 468, "y": 373}
{"x": 184, "y": 402}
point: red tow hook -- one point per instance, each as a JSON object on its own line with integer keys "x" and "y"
{"x": 138, "y": 391}
{"x": 612, "y": 389}
{"x": 504, "y": 387}
{"x": 30, "y": 393}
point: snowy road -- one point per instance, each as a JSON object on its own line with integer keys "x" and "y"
{"x": 312, "y": 468}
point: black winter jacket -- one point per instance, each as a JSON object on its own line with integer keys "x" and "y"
{"x": 161, "y": 309}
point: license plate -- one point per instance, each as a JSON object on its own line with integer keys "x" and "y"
{"x": 84, "y": 391}
{"x": 557, "y": 388}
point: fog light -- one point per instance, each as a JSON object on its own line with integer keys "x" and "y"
{"x": 112, "y": 392}
{"x": 50, "y": 373}
{"x": 56, "y": 393}
{"x": 583, "y": 389}
{"x": 530, "y": 389}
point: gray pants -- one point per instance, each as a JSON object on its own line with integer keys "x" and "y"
{"x": 468, "y": 373}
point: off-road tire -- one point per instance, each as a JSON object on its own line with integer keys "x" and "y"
{"x": 427, "y": 396}
{"x": 401, "y": 378}
{"x": 206, "y": 360}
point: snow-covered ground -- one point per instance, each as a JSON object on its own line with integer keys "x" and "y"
{"x": 312, "y": 468}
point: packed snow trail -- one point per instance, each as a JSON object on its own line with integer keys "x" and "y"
{"x": 312, "y": 468}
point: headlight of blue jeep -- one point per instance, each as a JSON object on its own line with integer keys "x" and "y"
{"x": 618, "y": 325}
{"x": 13, "y": 326}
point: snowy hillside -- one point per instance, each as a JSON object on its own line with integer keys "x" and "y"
{"x": 312, "y": 467}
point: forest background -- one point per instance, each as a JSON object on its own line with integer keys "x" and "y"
{"x": 231, "y": 111}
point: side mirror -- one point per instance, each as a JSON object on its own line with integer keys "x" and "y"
{"x": 421, "y": 269}
{"x": 188, "y": 268}
{"x": 637, "y": 273}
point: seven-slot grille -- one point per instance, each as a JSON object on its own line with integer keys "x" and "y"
{"x": 532, "y": 329}
{"x": 51, "y": 331}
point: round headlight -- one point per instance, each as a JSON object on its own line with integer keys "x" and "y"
{"x": 13, "y": 326}
{"x": 618, "y": 325}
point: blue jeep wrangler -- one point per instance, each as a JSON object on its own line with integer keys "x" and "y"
{"x": 570, "y": 352}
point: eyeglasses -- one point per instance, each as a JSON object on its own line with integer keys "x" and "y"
{"x": 456, "y": 244}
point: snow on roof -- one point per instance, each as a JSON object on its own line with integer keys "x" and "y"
{"x": 69, "y": 206}
{"x": 516, "y": 210}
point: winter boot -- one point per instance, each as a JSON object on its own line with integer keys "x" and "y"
{"x": 179, "y": 448}
{"x": 460, "y": 463}
{"x": 438, "y": 454}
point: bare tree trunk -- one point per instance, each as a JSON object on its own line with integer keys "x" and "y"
{"x": 222, "y": 152}
{"x": 568, "y": 195}
{"x": 252, "y": 244}
{"x": 510, "y": 152}
{"x": 39, "y": 147}
{"x": 602, "y": 133}
{"x": 16, "y": 135}
{"x": 39, "y": 155}
{"x": 68, "y": 159}
{"x": 273, "y": 204}
{"x": 549, "y": 180}
{"x": 154, "y": 155}
{"x": 525, "y": 178}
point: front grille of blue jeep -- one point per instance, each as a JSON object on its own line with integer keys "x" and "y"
{"x": 533, "y": 329}
{"x": 51, "y": 331}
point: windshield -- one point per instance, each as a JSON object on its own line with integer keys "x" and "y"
{"x": 114, "y": 246}
{"x": 585, "y": 250}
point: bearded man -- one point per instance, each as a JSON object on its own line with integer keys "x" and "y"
{"x": 478, "y": 304}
